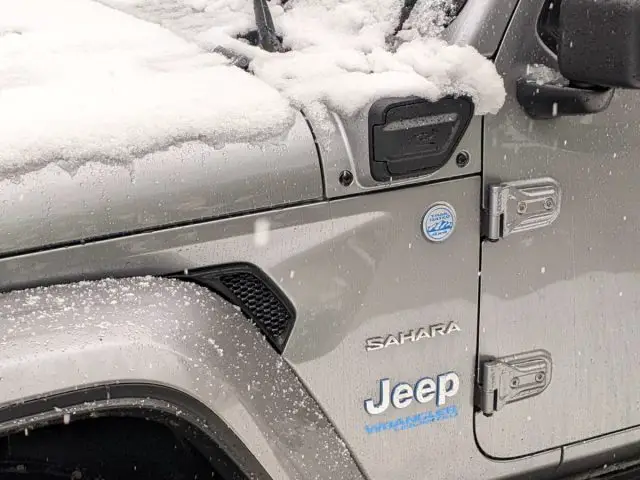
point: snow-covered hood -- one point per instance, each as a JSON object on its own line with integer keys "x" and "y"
{"x": 180, "y": 184}
{"x": 81, "y": 82}
{"x": 111, "y": 124}
{"x": 117, "y": 115}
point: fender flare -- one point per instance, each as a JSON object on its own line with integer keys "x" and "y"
{"x": 169, "y": 340}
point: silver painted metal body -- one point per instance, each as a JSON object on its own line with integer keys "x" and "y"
{"x": 481, "y": 23}
{"x": 571, "y": 288}
{"x": 189, "y": 182}
{"x": 177, "y": 335}
{"x": 348, "y": 149}
{"x": 356, "y": 265}
{"x": 352, "y": 268}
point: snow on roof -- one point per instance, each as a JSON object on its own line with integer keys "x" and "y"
{"x": 115, "y": 79}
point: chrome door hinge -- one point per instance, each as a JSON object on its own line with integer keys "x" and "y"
{"x": 513, "y": 207}
{"x": 511, "y": 379}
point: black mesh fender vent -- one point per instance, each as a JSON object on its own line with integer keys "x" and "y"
{"x": 258, "y": 297}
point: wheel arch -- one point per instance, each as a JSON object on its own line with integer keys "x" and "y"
{"x": 170, "y": 341}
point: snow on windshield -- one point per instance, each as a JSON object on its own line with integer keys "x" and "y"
{"x": 115, "y": 79}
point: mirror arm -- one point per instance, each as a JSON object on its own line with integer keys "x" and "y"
{"x": 552, "y": 100}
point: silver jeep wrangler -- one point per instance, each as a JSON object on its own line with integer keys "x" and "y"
{"x": 422, "y": 294}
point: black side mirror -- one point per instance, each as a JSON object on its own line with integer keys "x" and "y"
{"x": 599, "y": 42}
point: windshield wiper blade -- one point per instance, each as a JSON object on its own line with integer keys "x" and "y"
{"x": 267, "y": 38}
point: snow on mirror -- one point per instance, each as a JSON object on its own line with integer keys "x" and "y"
{"x": 113, "y": 80}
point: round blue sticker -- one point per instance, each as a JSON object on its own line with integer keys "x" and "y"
{"x": 439, "y": 222}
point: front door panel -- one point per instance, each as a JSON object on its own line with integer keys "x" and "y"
{"x": 572, "y": 288}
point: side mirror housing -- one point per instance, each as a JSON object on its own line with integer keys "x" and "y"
{"x": 600, "y": 42}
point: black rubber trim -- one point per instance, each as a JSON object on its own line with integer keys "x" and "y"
{"x": 451, "y": 11}
{"x": 631, "y": 474}
{"x": 208, "y": 431}
{"x": 212, "y": 278}
{"x": 184, "y": 431}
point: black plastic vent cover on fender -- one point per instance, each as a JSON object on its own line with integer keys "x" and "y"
{"x": 411, "y": 137}
{"x": 248, "y": 287}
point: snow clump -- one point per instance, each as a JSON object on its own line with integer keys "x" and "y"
{"x": 112, "y": 80}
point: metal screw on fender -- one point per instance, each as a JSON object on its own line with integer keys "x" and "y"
{"x": 462, "y": 159}
{"x": 345, "y": 178}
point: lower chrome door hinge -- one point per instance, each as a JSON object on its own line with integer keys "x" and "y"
{"x": 511, "y": 379}
{"x": 513, "y": 207}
